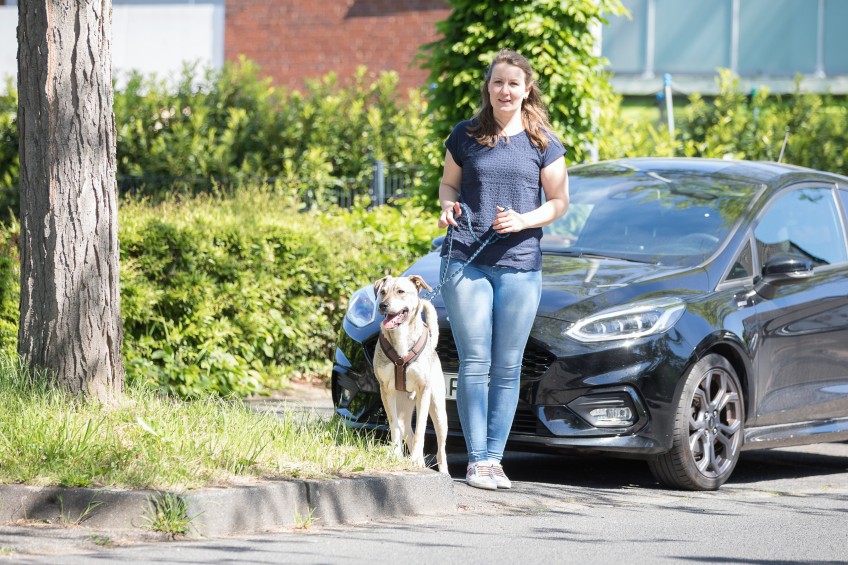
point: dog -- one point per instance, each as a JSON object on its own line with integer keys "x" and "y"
{"x": 403, "y": 332}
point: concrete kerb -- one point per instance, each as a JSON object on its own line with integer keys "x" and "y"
{"x": 239, "y": 509}
{"x": 108, "y": 509}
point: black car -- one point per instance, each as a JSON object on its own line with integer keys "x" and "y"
{"x": 691, "y": 308}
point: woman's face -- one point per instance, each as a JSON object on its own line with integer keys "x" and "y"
{"x": 507, "y": 88}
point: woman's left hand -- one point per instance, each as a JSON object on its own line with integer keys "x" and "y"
{"x": 508, "y": 221}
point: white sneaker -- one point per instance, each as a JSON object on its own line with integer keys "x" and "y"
{"x": 479, "y": 475}
{"x": 497, "y": 473}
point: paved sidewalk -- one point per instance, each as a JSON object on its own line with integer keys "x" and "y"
{"x": 54, "y": 520}
{"x": 304, "y": 397}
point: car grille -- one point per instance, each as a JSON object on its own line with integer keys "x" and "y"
{"x": 525, "y": 421}
{"x": 536, "y": 358}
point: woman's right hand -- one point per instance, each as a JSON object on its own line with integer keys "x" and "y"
{"x": 449, "y": 215}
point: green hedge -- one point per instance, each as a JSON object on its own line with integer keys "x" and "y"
{"x": 10, "y": 268}
{"x": 233, "y": 125}
{"x": 222, "y": 128}
{"x": 229, "y": 295}
{"x": 744, "y": 125}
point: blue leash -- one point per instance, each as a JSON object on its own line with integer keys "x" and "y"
{"x": 444, "y": 279}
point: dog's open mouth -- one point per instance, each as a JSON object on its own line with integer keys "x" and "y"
{"x": 394, "y": 320}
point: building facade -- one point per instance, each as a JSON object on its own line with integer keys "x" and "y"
{"x": 296, "y": 39}
{"x": 765, "y": 42}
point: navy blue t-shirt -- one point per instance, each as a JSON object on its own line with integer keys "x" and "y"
{"x": 507, "y": 175}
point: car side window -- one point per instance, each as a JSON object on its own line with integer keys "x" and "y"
{"x": 743, "y": 266}
{"x": 803, "y": 223}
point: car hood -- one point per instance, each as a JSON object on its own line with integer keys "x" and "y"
{"x": 574, "y": 287}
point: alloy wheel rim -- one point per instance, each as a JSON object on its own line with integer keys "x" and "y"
{"x": 715, "y": 423}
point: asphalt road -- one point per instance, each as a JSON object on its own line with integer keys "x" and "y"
{"x": 781, "y": 506}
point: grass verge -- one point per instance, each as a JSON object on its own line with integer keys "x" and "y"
{"x": 150, "y": 441}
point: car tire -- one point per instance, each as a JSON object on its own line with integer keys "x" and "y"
{"x": 708, "y": 429}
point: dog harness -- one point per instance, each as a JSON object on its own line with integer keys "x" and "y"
{"x": 401, "y": 363}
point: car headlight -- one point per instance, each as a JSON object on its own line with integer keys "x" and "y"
{"x": 635, "y": 320}
{"x": 362, "y": 308}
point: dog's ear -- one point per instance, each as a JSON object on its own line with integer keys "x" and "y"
{"x": 380, "y": 283}
{"x": 420, "y": 283}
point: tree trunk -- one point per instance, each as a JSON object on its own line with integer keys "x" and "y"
{"x": 70, "y": 303}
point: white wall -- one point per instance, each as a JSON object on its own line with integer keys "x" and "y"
{"x": 8, "y": 44}
{"x": 151, "y": 38}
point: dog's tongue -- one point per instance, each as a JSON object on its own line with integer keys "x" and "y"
{"x": 394, "y": 320}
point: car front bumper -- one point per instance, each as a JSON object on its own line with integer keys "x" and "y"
{"x": 564, "y": 385}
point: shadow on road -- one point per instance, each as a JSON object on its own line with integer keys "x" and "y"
{"x": 597, "y": 471}
{"x": 772, "y": 464}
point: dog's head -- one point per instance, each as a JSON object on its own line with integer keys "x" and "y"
{"x": 398, "y": 298}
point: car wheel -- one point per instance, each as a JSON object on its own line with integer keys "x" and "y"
{"x": 707, "y": 429}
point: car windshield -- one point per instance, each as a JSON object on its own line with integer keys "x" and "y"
{"x": 666, "y": 217}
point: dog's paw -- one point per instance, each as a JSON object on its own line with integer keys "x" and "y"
{"x": 418, "y": 460}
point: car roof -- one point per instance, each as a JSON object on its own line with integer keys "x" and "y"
{"x": 762, "y": 171}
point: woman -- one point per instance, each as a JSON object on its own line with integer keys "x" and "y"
{"x": 496, "y": 166}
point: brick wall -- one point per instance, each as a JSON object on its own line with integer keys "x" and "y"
{"x": 296, "y": 39}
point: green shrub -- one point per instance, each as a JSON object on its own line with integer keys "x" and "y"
{"x": 232, "y": 294}
{"x": 744, "y": 126}
{"x": 228, "y": 295}
{"x": 10, "y": 267}
{"x": 232, "y": 125}
{"x": 221, "y": 128}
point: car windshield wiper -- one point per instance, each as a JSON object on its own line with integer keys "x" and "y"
{"x": 595, "y": 255}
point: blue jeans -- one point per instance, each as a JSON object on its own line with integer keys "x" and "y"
{"x": 491, "y": 312}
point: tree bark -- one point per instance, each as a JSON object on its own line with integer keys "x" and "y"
{"x": 70, "y": 303}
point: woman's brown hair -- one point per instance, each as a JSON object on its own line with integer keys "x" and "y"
{"x": 534, "y": 115}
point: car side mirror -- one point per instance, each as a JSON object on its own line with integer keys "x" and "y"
{"x": 437, "y": 243}
{"x": 780, "y": 270}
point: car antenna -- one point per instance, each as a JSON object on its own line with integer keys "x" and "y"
{"x": 783, "y": 147}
